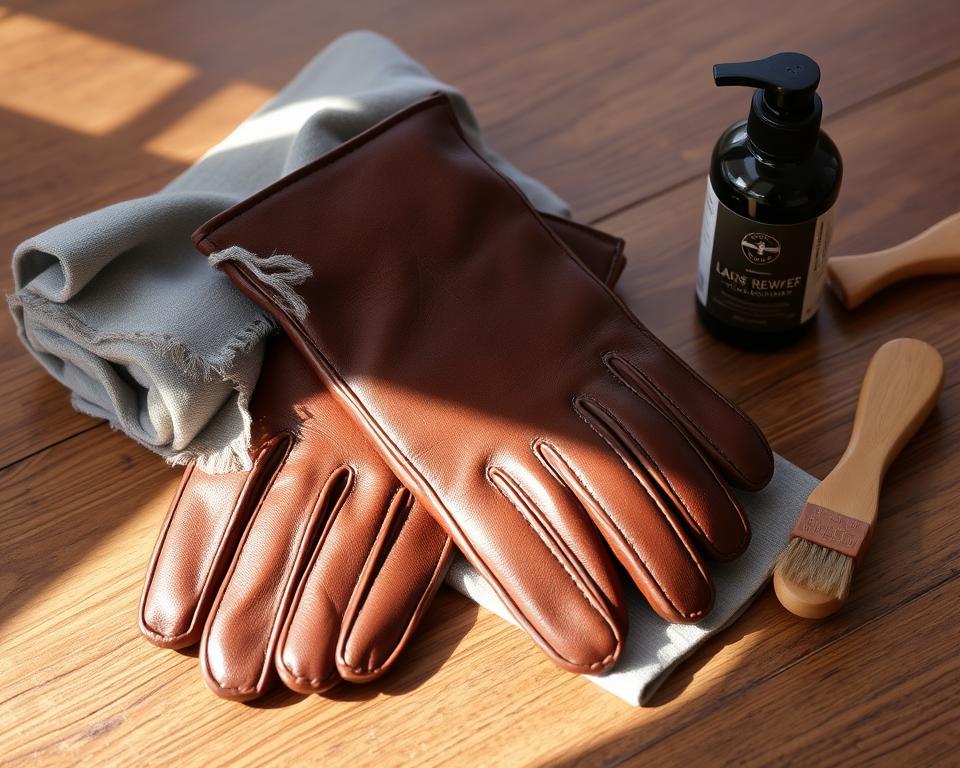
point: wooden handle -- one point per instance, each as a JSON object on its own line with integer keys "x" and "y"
{"x": 900, "y": 389}
{"x": 936, "y": 251}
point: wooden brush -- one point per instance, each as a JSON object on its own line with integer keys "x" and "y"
{"x": 935, "y": 251}
{"x": 813, "y": 575}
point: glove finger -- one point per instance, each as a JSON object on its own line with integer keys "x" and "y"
{"x": 650, "y": 442}
{"x": 193, "y": 551}
{"x": 626, "y": 507}
{"x": 545, "y": 579}
{"x": 306, "y": 650}
{"x": 402, "y": 574}
{"x": 237, "y": 647}
{"x": 723, "y": 432}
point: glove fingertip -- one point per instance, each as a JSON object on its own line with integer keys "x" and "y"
{"x": 152, "y": 628}
{"x": 301, "y": 677}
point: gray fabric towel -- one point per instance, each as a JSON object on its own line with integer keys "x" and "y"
{"x": 119, "y": 306}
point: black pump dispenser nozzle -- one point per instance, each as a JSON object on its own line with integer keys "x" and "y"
{"x": 785, "y": 114}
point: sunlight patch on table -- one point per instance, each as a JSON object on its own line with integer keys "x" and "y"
{"x": 208, "y": 122}
{"x": 115, "y": 561}
{"x": 91, "y": 85}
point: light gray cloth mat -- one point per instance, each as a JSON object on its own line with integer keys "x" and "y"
{"x": 654, "y": 647}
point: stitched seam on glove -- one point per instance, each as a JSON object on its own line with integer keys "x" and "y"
{"x": 649, "y": 459}
{"x": 524, "y": 495}
{"x": 341, "y": 502}
{"x": 174, "y": 509}
{"x": 366, "y": 594}
{"x": 745, "y": 539}
{"x": 229, "y": 576}
{"x": 589, "y": 491}
{"x": 162, "y": 541}
{"x": 723, "y": 402}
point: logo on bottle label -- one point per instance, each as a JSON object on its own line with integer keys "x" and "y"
{"x": 760, "y": 248}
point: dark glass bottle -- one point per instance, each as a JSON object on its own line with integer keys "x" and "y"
{"x": 774, "y": 179}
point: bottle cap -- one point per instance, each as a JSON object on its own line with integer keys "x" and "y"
{"x": 785, "y": 114}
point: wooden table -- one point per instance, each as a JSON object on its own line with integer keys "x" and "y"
{"x": 611, "y": 103}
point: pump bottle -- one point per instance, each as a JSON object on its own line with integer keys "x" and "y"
{"x": 768, "y": 215}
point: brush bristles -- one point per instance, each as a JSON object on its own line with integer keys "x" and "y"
{"x": 816, "y": 567}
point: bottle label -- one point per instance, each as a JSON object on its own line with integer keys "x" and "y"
{"x": 761, "y": 277}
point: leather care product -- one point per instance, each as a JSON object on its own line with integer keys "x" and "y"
{"x": 767, "y": 219}
{"x": 813, "y": 576}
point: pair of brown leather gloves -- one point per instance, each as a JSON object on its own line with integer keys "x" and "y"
{"x": 456, "y": 372}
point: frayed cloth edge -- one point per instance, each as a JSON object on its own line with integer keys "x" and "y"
{"x": 279, "y": 272}
{"x": 195, "y": 366}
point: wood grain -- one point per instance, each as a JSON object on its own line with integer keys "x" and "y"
{"x": 611, "y": 103}
{"x": 588, "y": 97}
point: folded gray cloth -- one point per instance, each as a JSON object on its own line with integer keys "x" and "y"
{"x": 119, "y": 307}
{"x": 654, "y": 647}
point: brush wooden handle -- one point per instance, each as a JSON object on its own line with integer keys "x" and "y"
{"x": 900, "y": 388}
{"x": 936, "y": 251}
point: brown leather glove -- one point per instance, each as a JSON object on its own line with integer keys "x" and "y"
{"x": 316, "y": 563}
{"x": 505, "y": 385}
